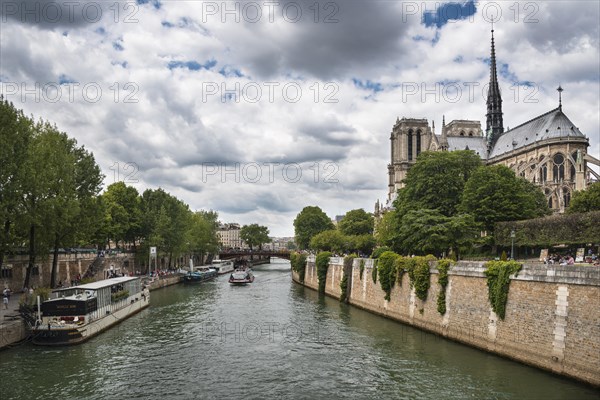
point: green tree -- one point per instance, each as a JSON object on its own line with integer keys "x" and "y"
{"x": 356, "y": 222}
{"x": 254, "y": 235}
{"x": 586, "y": 200}
{"x": 330, "y": 240}
{"x": 494, "y": 193}
{"x": 310, "y": 221}
{"x": 123, "y": 213}
{"x": 387, "y": 229}
{"x": 436, "y": 181}
{"x": 16, "y": 131}
{"x": 202, "y": 235}
{"x": 363, "y": 244}
{"x": 429, "y": 231}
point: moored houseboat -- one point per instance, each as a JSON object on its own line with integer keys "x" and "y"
{"x": 78, "y": 313}
{"x": 201, "y": 274}
{"x": 223, "y": 266}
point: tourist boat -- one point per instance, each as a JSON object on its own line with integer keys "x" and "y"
{"x": 222, "y": 266}
{"x": 241, "y": 276}
{"x": 78, "y": 313}
{"x": 201, "y": 274}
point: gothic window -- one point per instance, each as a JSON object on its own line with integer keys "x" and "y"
{"x": 572, "y": 172}
{"x": 543, "y": 173}
{"x": 462, "y": 133}
{"x": 471, "y": 133}
{"x": 559, "y": 167}
{"x": 550, "y": 202}
{"x": 566, "y": 197}
{"x": 410, "y": 145}
{"x": 418, "y": 142}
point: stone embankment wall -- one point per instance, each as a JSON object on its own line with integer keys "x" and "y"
{"x": 552, "y": 316}
{"x": 68, "y": 267}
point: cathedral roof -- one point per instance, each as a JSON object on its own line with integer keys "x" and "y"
{"x": 551, "y": 125}
{"x": 476, "y": 143}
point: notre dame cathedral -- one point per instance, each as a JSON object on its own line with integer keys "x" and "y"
{"x": 548, "y": 150}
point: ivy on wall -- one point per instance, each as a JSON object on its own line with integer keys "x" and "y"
{"x": 498, "y": 281}
{"x": 374, "y": 272}
{"x": 443, "y": 266}
{"x": 418, "y": 271}
{"x": 298, "y": 262}
{"x": 387, "y": 272}
{"x": 362, "y": 268}
{"x": 348, "y": 260}
{"x": 322, "y": 263}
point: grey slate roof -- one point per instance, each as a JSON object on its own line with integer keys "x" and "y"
{"x": 553, "y": 124}
{"x": 477, "y": 144}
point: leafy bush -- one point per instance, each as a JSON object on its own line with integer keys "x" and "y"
{"x": 570, "y": 229}
{"x": 379, "y": 251}
{"x": 387, "y": 272}
{"x": 362, "y": 268}
{"x": 498, "y": 281}
{"x": 418, "y": 271}
{"x": 443, "y": 266}
{"x": 348, "y": 260}
{"x": 298, "y": 262}
{"x": 322, "y": 263}
{"x": 374, "y": 272}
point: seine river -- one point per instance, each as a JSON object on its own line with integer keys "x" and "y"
{"x": 272, "y": 339}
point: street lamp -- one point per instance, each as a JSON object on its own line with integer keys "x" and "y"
{"x": 512, "y": 244}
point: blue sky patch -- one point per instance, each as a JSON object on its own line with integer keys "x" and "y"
{"x": 458, "y": 59}
{"x": 167, "y": 24}
{"x": 449, "y": 12}
{"x": 192, "y": 65}
{"x": 117, "y": 46}
{"x": 229, "y": 72}
{"x": 368, "y": 85}
{"x": 155, "y": 3}
{"x": 64, "y": 79}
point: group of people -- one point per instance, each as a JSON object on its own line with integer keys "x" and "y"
{"x": 558, "y": 259}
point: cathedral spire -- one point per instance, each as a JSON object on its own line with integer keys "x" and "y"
{"x": 494, "y": 124}
{"x": 444, "y": 139}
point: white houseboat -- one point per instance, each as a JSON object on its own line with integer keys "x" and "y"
{"x": 223, "y": 266}
{"x": 80, "y": 312}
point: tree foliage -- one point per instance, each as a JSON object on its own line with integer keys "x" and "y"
{"x": 586, "y": 200}
{"x": 436, "y": 181}
{"x": 309, "y": 222}
{"x": 494, "y": 193}
{"x": 356, "y": 222}
{"x": 570, "y": 229}
{"x": 255, "y": 235}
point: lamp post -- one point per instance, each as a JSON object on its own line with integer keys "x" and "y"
{"x": 512, "y": 244}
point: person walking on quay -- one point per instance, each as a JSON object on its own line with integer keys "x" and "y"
{"x": 5, "y": 297}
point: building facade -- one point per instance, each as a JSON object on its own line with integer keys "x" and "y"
{"x": 548, "y": 150}
{"x": 229, "y": 236}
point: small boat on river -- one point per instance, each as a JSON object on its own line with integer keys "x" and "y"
{"x": 241, "y": 276}
{"x": 78, "y": 313}
{"x": 202, "y": 274}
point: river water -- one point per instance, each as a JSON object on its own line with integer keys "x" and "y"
{"x": 271, "y": 339}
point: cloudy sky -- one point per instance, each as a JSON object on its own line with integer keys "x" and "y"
{"x": 257, "y": 109}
